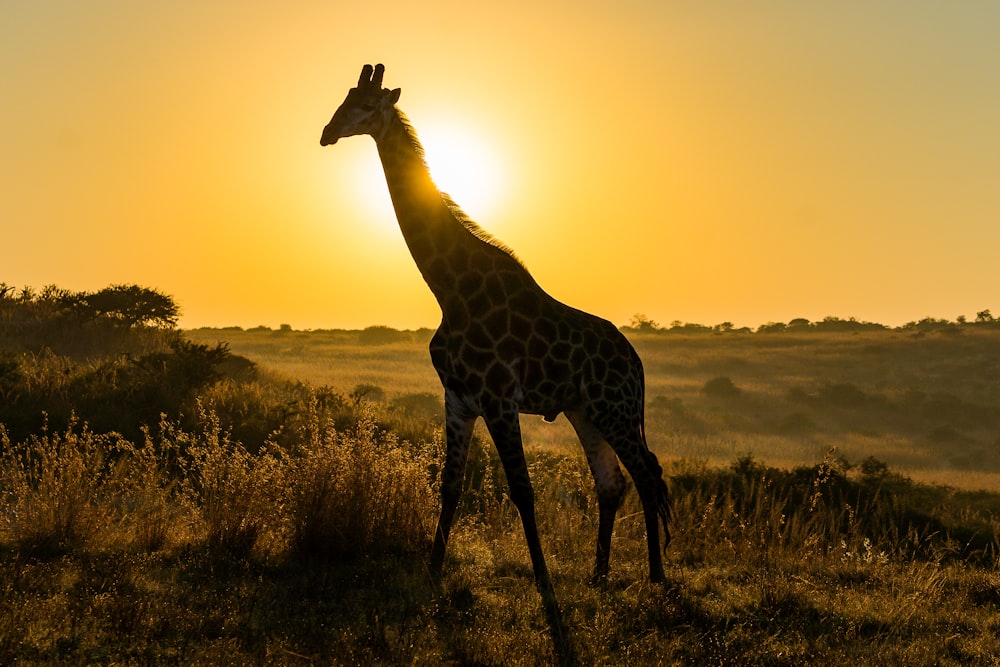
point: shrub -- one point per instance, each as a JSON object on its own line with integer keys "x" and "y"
{"x": 115, "y": 391}
{"x": 357, "y": 492}
{"x": 234, "y": 490}
{"x": 151, "y": 500}
{"x": 367, "y": 392}
{"x": 843, "y": 394}
{"x": 381, "y": 335}
{"x": 721, "y": 387}
{"x": 818, "y": 510}
{"x": 796, "y": 422}
{"x": 50, "y": 487}
{"x": 424, "y": 404}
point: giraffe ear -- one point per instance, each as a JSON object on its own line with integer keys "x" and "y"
{"x": 394, "y": 96}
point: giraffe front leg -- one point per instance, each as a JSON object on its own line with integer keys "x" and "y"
{"x": 505, "y": 429}
{"x": 458, "y": 433}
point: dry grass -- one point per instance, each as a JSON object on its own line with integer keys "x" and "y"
{"x": 926, "y": 403}
{"x": 755, "y": 576}
{"x": 287, "y": 523}
{"x": 51, "y": 486}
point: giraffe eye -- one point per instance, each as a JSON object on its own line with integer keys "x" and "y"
{"x": 368, "y": 106}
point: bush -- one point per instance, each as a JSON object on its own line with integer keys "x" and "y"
{"x": 845, "y": 395}
{"x": 50, "y": 488}
{"x": 820, "y": 509}
{"x": 358, "y": 492}
{"x": 381, "y": 335}
{"x": 721, "y": 387}
{"x": 235, "y": 491}
{"x": 367, "y": 392}
{"x": 116, "y": 391}
{"x": 422, "y": 405}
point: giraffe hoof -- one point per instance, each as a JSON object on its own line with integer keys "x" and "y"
{"x": 598, "y": 580}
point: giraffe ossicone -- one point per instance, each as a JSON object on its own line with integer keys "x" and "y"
{"x": 505, "y": 347}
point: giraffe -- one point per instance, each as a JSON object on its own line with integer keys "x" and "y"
{"x": 505, "y": 347}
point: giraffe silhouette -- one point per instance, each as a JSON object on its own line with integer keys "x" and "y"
{"x": 506, "y": 347}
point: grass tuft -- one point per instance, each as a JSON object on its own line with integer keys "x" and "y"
{"x": 51, "y": 488}
{"x": 357, "y": 492}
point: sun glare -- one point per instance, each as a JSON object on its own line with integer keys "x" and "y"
{"x": 464, "y": 167}
{"x": 461, "y": 164}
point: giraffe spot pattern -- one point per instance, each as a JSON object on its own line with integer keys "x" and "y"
{"x": 505, "y": 346}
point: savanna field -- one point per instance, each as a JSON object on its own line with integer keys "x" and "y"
{"x": 268, "y": 496}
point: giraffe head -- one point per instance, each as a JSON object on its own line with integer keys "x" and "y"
{"x": 365, "y": 109}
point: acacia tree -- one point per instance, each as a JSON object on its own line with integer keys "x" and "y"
{"x": 643, "y": 324}
{"x": 132, "y": 305}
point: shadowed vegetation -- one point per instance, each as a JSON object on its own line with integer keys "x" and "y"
{"x": 191, "y": 498}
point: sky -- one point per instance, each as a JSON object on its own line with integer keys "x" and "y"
{"x": 708, "y": 162}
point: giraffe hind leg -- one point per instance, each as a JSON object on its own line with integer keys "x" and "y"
{"x": 609, "y": 483}
{"x": 629, "y": 444}
{"x": 648, "y": 477}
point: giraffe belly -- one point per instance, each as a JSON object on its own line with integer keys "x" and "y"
{"x": 494, "y": 379}
{"x": 548, "y": 409}
{"x": 548, "y": 391}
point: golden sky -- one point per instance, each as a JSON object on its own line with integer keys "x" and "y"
{"x": 697, "y": 161}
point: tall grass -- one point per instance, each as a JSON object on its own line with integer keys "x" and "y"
{"x": 815, "y": 564}
{"x": 357, "y": 492}
{"x": 52, "y": 488}
{"x": 234, "y": 491}
{"x": 324, "y": 492}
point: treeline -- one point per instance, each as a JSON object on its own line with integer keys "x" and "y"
{"x": 114, "y": 360}
{"x": 112, "y": 357}
{"x": 373, "y": 335}
{"x": 642, "y": 324}
{"x": 84, "y": 324}
{"x": 129, "y": 305}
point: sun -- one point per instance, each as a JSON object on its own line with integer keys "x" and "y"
{"x": 463, "y": 166}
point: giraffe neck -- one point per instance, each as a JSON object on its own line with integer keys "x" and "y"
{"x": 444, "y": 243}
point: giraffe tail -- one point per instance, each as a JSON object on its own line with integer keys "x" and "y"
{"x": 662, "y": 497}
{"x": 662, "y": 492}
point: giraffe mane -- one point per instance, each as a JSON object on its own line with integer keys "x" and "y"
{"x": 476, "y": 230}
{"x": 470, "y": 225}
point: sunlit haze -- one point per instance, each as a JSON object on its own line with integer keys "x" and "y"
{"x": 702, "y": 162}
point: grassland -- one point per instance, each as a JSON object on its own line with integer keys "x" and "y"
{"x": 926, "y": 403}
{"x": 835, "y": 502}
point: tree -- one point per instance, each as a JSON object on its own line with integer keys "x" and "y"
{"x": 643, "y": 324}
{"x": 984, "y": 316}
{"x": 772, "y": 327}
{"x": 131, "y": 305}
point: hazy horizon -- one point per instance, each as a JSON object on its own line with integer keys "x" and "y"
{"x": 970, "y": 317}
